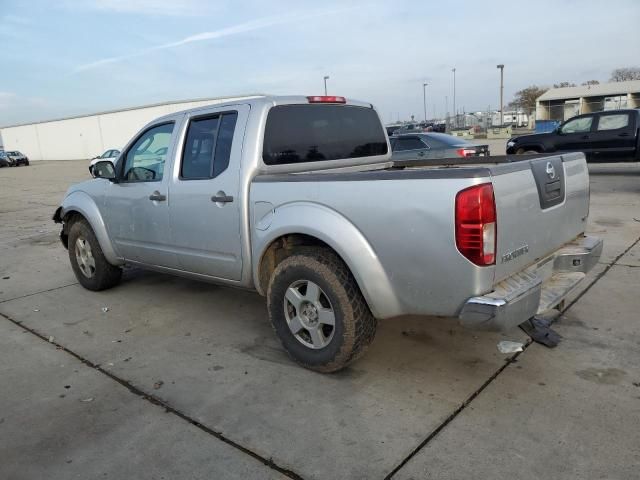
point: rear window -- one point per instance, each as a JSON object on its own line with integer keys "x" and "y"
{"x": 312, "y": 133}
{"x": 444, "y": 139}
{"x": 613, "y": 122}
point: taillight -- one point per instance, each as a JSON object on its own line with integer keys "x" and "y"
{"x": 476, "y": 224}
{"x": 465, "y": 152}
{"x": 326, "y": 99}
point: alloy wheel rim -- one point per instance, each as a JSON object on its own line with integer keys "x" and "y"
{"x": 309, "y": 314}
{"x": 84, "y": 257}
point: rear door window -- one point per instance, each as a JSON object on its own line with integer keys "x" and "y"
{"x": 408, "y": 143}
{"x": 613, "y": 122}
{"x": 313, "y": 133}
{"x": 208, "y": 146}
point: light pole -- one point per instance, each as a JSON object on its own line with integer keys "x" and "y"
{"x": 446, "y": 114}
{"x": 424, "y": 100}
{"x": 501, "y": 67}
{"x": 455, "y": 125}
{"x": 326, "y": 77}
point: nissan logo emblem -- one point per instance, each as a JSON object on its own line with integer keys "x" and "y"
{"x": 551, "y": 171}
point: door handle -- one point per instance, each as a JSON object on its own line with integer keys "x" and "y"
{"x": 623, "y": 135}
{"x": 222, "y": 198}
{"x": 421, "y": 154}
{"x": 584, "y": 137}
{"x": 157, "y": 197}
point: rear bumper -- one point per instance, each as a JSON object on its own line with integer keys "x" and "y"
{"x": 536, "y": 289}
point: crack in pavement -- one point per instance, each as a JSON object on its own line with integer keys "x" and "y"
{"x": 38, "y": 293}
{"x": 495, "y": 375}
{"x": 158, "y": 402}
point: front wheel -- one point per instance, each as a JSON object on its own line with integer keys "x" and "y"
{"x": 89, "y": 264}
{"x": 318, "y": 312}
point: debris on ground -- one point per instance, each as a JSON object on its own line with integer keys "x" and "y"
{"x": 105, "y": 309}
{"x": 506, "y": 346}
{"x": 51, "y": 338}
{"x": 87, "y": 400}
{"x": 540, "y": 331}
{"x": 36, "y": 309}
{"x": 158, "y": 384}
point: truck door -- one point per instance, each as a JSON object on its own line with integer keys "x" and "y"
{"x": 575, "y": 135}
{"x": 205, "y": 206}
{"x": 136, "y": 209}
{"x": 613, "y": 137}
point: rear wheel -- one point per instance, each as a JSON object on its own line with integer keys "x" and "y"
{"x": 89, "y": 264}
{"x": 318, "y": 311}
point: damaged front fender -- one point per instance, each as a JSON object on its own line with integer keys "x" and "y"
{"x": 64, "y": 236}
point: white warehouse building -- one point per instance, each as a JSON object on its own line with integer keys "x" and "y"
{"x": 86, "y": 136}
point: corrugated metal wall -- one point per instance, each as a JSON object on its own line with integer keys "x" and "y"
{"x": 85, "y": 137}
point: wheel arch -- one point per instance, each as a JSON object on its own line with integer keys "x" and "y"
{"x": 80, "y": 205}
{"x": 305, "y": 224}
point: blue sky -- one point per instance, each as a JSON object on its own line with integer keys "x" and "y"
{"x": 70, "y": 57}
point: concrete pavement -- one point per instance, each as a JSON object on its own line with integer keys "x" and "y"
{"x": 209, "y": 356}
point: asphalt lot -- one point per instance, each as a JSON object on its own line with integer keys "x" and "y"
{"x": 179, "y": 379}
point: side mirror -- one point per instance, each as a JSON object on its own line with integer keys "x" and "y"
{"x": 104, "y": 169}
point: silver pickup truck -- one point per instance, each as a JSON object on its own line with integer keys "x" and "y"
{"x": 295, "y": 197}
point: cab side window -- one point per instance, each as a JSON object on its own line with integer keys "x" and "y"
{"x": 207, "y": 148}
{"x": 578, "y": 125}
{"x": 145, "y": 160}
{"x": 613, "y": 122}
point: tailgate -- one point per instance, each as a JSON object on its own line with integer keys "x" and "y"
{"x": 541, "y": 205}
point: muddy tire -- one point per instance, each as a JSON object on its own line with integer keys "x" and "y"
{"x": 318, "y": 312}
{"x": 89, "y": 264}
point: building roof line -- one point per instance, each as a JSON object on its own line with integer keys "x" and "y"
{"x": 139, "y": 107}
{"x": 599, "y": 90}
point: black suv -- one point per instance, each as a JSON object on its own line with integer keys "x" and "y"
{"x": 613, "y": 135}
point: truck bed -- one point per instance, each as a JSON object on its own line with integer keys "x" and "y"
{"x": 406, "y": 212}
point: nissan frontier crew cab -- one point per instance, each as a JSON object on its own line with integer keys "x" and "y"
{"x": 296, "y": 198}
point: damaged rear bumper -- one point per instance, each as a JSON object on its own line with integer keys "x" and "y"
{"x": 536, "y": 289}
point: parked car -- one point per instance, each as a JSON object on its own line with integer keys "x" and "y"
{"x": 16, "y": 158}
{"x": 433, "y": 146}
{"x": 109, "y": 155}
{"x": 4, "y": 161}
{"x": 255, "y": 194}
{"x": 612, "y": 135}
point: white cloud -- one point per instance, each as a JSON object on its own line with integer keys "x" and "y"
{"x": 245, "y": 27}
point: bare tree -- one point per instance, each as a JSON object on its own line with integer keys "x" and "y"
{"x": 588, "y": 83}
{"x": 526, "y": 98}
{"x": 564, "y": 85}
{"x": 624, "y": 74}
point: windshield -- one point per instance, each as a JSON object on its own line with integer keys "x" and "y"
{"x": 311, "y": 133}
